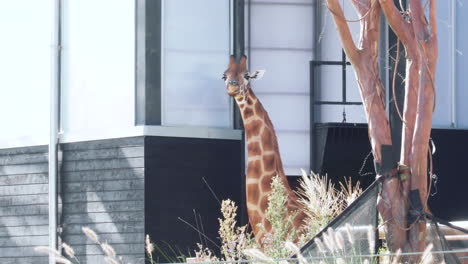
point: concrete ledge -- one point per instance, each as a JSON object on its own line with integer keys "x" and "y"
{"x": 135, "y": 131}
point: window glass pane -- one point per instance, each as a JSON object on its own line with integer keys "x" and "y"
{"x": 98, "y": 68}
{"x": 352, "y": 89}
{"x": 334, "y": 114}
{"x": 330, "y": 87}
{"x": 195, "y": 54}
{"x": 25, "y": 52}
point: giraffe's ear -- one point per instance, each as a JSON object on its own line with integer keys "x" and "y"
{"x": 256, "y": 75}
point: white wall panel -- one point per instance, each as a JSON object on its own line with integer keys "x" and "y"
{"x": 443, "y": 109}
{"x": 294, "y": 148}
{"x": 281, "y": 42}
{"x": 287, "y": 112}
{"x": 195, "y": 54}
{"x": 25, "y": 52}
{"x": 330, "y": 44}
{"x": 281, "y": 26}
{"x": 98, "y": 68}
{"x": 281, "y": 76}
{"x": 451, "y": 88}
{"x": 461, "y": 56}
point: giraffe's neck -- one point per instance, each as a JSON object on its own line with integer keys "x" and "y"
{"x": 263, "y": 162}
{"x": 260, "y": 135}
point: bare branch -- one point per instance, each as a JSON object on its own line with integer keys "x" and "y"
{"x": 423, "y": 31}
{"x": 397, "y": 22}
{"x": 363, "y": 7}
{"x": 343, "y": 29}
{"x": 419, "y": 21}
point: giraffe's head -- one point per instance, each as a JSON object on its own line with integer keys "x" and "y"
{"x": 237, "y": 77}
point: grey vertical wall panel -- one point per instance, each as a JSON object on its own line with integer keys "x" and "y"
{"x": 103, "y": 188}
{"x": 23, "y": 204}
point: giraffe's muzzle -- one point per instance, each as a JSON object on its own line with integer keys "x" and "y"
{"x": 233, "y": 89}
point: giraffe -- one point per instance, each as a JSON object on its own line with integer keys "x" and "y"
{"x": 263, "y": 158}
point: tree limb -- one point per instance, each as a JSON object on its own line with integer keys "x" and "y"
{"x": 343, "y": 29}
{"x": 397, "y": 22}
{"x": 433, "y": 19}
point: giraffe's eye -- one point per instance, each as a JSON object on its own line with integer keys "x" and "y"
{"x": 224, "y": 77}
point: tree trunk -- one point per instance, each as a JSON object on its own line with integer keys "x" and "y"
{"x": 419, "y": 38}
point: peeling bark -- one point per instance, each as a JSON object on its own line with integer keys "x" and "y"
{"x": 419, "y": 37}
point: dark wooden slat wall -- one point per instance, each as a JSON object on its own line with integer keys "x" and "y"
{"x": 102, "y": 187}
{"x": 23, "y": 204}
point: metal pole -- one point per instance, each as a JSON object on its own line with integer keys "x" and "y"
{"x": 312, "y": 147}
{"x": 237, "y": 47}
{"x": 238, "y": 28}
{"x": 54, "y": 126}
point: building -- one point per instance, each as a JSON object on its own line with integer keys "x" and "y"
{"x": 145, "y": 129}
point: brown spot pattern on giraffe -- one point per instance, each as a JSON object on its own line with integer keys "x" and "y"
{"x": 254, "y": 149}
{"x": 267, "y": 140}
{"x": 254, "y": 217}
{"x": 269, "y": 163}
{"x": 248, "y": 113}
{"x": 265, "y": 183}
{"x": 299, "y": 219}
{"x": 264, "y": 203}
{"x": 267, "y": 225}
{"x": 254, "y": 169}
{"x": 253, "y": 192}
{"x": 253, "y": 128}
{"x": 259, "y": 109}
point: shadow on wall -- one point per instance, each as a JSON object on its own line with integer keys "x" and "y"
{"x": 103, "y": 188}
{"x": 23, "y": 204}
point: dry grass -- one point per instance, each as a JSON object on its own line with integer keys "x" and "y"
{"x": 349, "y": 191}
{"x": 233, "y": 238}
{"x": 321, "y": 200}
{"x": 110, "y": 255}
{"x": 333, "y": 251}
